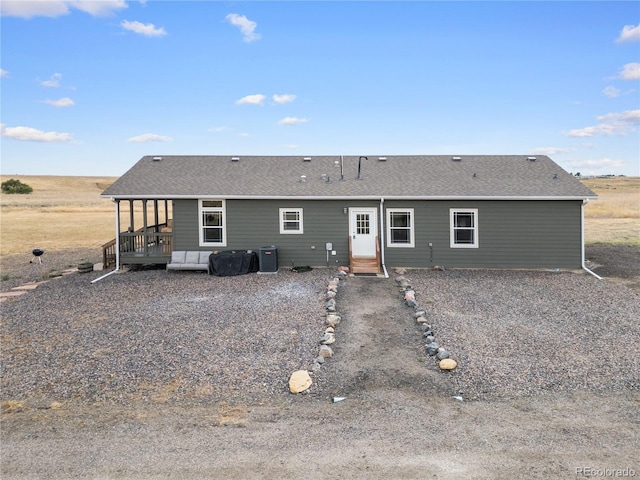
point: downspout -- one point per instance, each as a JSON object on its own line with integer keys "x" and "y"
{"x": 584, "y": 267}
{"x": 382, "y": 235}
{"x": 117, "y": 267}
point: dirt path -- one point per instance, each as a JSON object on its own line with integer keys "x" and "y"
{"x": 381, "y": 345}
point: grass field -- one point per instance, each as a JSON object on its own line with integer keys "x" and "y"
{"x": 61, "y": 213}
{"x": 67, "y": 212}
{"x": 615, "y": 216}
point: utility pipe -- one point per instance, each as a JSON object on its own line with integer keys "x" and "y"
{"x": 382, "y": 236}
{"x": 584, "y": 267}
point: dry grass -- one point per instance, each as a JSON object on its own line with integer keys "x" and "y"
{"x": 62, "y": 212}
{"x": 615, "y": 216}
{"x": 67, "y": 212}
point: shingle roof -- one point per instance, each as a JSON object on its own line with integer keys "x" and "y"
{"x": 404, "y": 176}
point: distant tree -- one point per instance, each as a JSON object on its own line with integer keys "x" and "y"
{"x": 15, "y": 186}
{"x": 577, "y": 174}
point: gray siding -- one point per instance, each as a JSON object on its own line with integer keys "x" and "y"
{"x": 185, "y": 225}
{"x": 512, "y": 234}
{"x": 252, "y": 224}
{"x": 255, "y": 223}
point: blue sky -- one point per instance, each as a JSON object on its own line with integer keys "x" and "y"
{"x": 87, "y": 88}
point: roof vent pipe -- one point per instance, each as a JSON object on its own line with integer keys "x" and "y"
{"x": 341, "y": 167}
{"x": 360, "y": 166}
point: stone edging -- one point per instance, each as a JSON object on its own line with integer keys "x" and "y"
{"x": 433, "y": 349}
{"x": 300, "y": 380}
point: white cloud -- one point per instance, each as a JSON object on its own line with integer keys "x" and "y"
{"x": 53, "y": 82}
{"x": 597, "y": 164}
{"x": 243, "y": 134}
{"x": 610, "y": 124}
{"x": 611, "y": 92}
{"x": 149, "y": 137}
{"x": 98, "y": 8}
{"x": 631, "y": 71}
{"x": 549, "y": 151}
{"x": 282, "y": 99}
{"x": 220, "y": 129}
{"x": 63, "y": 102}
{"x": 29, "y": 134}
{"x": 55, "y": 8}
{"x": 146, "y": 29}
{"x": 630, "y": 117}
{"x": 291, "y": 146}
{"x": 246, "y": 26}
{"x": 3, "y": 73}
{"x": 630, "y": 33}
{"x": 256, "y": 99}
{"x": 289, "y": 121}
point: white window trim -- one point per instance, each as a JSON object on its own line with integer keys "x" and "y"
{"x": 412, "y": 228}
{"x": 299, "y": 211}
{"x": 223, "y": 210}
{"x": 476, "y": 241}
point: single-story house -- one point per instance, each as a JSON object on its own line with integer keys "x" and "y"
{"x": 367, "y": 212}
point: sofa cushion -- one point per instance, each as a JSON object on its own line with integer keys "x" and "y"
{"x": 178, "y": 256}
{"x": 192, "y": 257}
{"x": 204, "y": 257}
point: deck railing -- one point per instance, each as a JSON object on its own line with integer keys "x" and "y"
{"x": 137, "y": 246}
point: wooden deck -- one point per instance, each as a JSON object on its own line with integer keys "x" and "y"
{"x": 140, "y": 248}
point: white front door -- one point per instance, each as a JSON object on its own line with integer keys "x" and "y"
{"x": 363, "y": 230}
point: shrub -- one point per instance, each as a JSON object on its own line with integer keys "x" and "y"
{"x": 15, "y": 186}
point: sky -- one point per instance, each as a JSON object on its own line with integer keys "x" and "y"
{"x": 90, "y": 87}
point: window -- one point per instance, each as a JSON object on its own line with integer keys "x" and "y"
{"x": 363, "y": 224}
{"x": 212, "y": 223}
{"x": 464, "y": 228}
{"x": 291, "y": 220}
{"x": 400, "y": 231}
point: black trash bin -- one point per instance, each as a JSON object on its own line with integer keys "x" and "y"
{"x": 268, "y": 259}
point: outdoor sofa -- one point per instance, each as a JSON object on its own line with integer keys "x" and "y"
{"x": 189, "y": 260}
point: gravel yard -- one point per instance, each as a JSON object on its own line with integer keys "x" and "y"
{"x": 525, "y": 333}
{"x": 133, "y": 376}
{"x": 152, "y": 335}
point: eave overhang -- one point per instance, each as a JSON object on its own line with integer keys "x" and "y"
{"x": 361, "y": 197}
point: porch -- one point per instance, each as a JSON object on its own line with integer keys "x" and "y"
{"x": 151, "y": 243}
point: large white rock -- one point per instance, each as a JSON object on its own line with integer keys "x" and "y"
{"x": 299, "y": 381}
